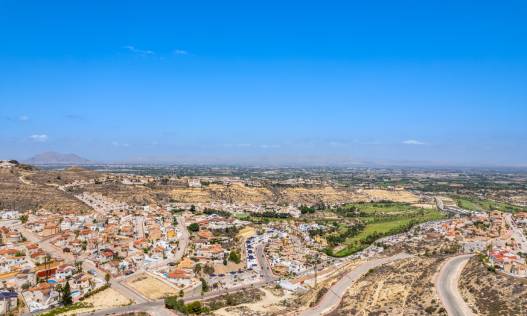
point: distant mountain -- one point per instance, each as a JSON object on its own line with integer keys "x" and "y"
{"x": 54, "y": 158}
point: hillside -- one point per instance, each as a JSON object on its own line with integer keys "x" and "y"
{"x": 17, "y": 192}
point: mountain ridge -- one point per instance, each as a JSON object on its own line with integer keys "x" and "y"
{"x": 56, "y": 158}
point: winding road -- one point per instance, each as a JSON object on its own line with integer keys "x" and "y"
{"x": 447, "y": 286}
{"x": 334, "y": 295}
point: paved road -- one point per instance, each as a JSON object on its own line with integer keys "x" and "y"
{"x": 180, "y": 252}
{"x": 446, "y": 286}
{"x": 86, "y": 264}
{"x": 266, "y": 269}
{"x": 140, "y": 226}
{"x": 137, "y": 297}
{"x": 517, "y": 233}
{"x": 333, "y": 297}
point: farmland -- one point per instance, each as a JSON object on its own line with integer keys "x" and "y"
{"x": 475, "y": 204}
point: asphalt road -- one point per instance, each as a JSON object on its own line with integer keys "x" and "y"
{"x": 447, "y": 286}
{"x": 334, "y": 295}
{"x": 266, "y": 269}
{"x": 517, "y": 233}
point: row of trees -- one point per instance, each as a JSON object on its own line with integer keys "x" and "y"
{"x": 194, "y": 308}
{"x": 337, "y": 239}
{"x": 270, "y": 214}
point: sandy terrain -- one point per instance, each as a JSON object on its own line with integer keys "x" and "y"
{"x": 151, "y": 287}
{"x": 270, "y": 303}
{"x": 395, "y": 196}
{"x": 491, "y": 293}
{"x": 105, "y": 299}
{"x": 230, "y": 193}
{"x": 246, "y": 232}
{"x": 401, "y": 288}
{"x": 313, "y": 195}
{"x": 19, "y": 191}
{"x": 231, "y": 266}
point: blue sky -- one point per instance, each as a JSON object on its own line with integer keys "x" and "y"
{"x": 435, "y": 82}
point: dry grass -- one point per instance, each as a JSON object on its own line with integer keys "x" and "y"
{"x": 400, "y": 288}
{"x": 151, "y": 287}
{"x": 491, "y": 293}
{"x": 23, "y": 194}
{"x": 102, "y": 300}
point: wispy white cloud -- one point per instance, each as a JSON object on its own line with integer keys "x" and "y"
{"x": 41, "y": 138}
{"x": 117, "y": 144}
{"x": 142, "y": 52}
{"x": 266, "y": 146}
{"x": 413, "y": 142}
{"x": 181, "y": 52}
{"x": 23, "y": 118}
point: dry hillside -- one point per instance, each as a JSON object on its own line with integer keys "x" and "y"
{"x": 400, "y": 288}
{"x": 18, "y": 192}
{"x": 489, "y": 293}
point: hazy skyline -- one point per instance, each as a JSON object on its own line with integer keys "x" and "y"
{"x": 443, "y": 83}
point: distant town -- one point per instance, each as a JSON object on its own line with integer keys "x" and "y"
{"x": 98, "y": 240}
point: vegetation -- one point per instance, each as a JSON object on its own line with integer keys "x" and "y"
{"x": 204, "y": 285}
{"x": 271, "y": 214}
{"x": 194, "y": 308}
{"x": 210, "y": 211}
{"x": 475, "y": 204}
{"x": 373, "y": 221}
{"x": 65, "y": 309}
{"x": 235, "y": 256}
{"x": 194, "y": 227}
{"x": 24, "y": 218}
{"x": 91, "y": 293}
{"x": 208, "y": 269}
{"x": 233, "y": 299}
{"x": 65, "y": 294}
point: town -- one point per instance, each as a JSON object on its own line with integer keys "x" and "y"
{"x": 187, "y": 253}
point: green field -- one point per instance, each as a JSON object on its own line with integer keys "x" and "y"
{"x": 379, "y": 220}
{"x": 475, "y": 204}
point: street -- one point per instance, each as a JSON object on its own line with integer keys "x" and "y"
{"x": 447, "y": 286}
{"x": 266, "y": 269}
{"x": 333, "y": 297}
{"x": 517, "y": 233}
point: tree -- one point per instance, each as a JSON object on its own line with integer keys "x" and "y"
{"x": 197, "y": 268}
{"x": 194, "y": 227}
{"x": 107, "y": 278}
{"x": 78, "y": 266}
{"x": 193, "y": 208}
{"x": 66, "y": 294}
{"x": 234, "y": 257}
{"x": 181, "y": 293}
{"x": 204, "y": 285}
{"x": 208, "y": 269}
{"x": 24, "y": 218}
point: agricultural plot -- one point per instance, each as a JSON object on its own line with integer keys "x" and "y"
{"x": 475, "y": 204}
